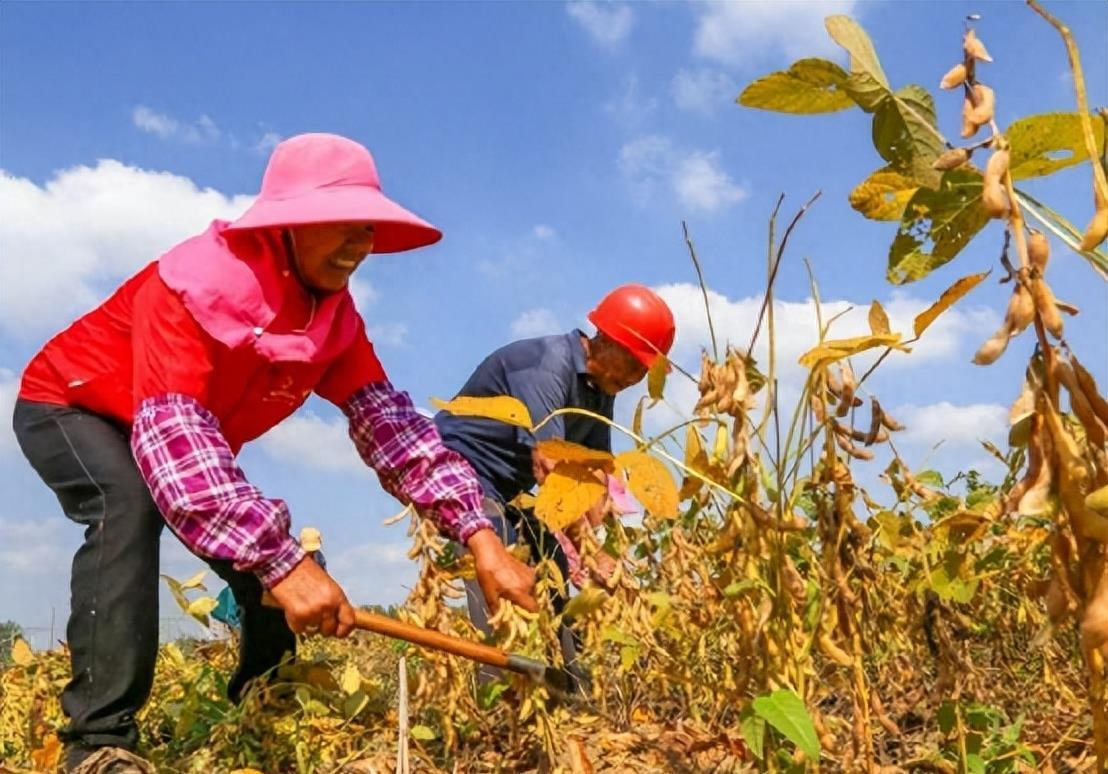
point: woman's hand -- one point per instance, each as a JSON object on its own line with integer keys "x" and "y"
{"x": 313, "y": 602}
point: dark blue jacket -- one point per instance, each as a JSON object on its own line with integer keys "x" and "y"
{"x": 547, "y": 373}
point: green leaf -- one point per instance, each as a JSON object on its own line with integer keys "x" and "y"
{"x": 850, "y": 35}
{"x": 488, "y": 693}
{"x": 353, "y": 704}
{"x": 937, "y": 225}
{"x": 866, "y": 92}
{"x": 808, "y": 86}
{"x": 904, "y": 134}
{"x": 422, "y": 733}
{"x": 612, "y": 634}
{"x": 883, "y": 195}
{"x": 785, "y": 711}
{"x": 947, "y": 717}
{"x": 753, "y": 728}
{"x": 1043, "y": 144}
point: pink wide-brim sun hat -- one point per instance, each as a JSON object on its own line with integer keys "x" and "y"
{"x": 325, "y": 178}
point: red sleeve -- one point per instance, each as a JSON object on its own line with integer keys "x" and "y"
{"x": 172, "y": 354}
{"x": 356, "y": 367}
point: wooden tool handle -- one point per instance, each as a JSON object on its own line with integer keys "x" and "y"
{"x": 418, "y": 635}
{"x": 390, "y": 627}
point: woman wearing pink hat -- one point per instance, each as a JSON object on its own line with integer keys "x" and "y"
{"x": 134, "y": 415}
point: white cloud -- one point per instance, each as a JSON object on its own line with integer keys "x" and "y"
{"x": 364, "y": 294}
{"x": 953, "y": 425}
{"x": 606, "y": 23}
{"x": 742, "y": 33}
{"x": 702, "y": 185}
{"x": 389, "y": 334}
{"x": 631, "y": 108}
{"x": 702, "y": 91}
{"x": 375, "y": 572}
{"x": 9, "y": 389}
{"x": 950, "y": 338}
{"x": 695, "y": 177}
{"x": 308, "y": 441}
{"x": 536, "y": 322}
{"x": 166, "y": 127}
{"x": 67, "y": 243}
{"x": 267, "y": 142}
{"x": 32, "y": 547}
{"x": 544, "y": 233}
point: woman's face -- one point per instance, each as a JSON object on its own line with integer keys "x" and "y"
{"x": 326, "y": 254}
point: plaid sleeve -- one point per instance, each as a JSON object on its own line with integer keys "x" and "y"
{"x": 414, "y": 466}
{"x": 204, "y": 495}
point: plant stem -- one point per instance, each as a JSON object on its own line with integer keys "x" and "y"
{"x": 703, "y": 289}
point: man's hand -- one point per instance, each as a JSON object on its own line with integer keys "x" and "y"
{"x": 500, "y": 574}
{"x": 313, "y": 602}
{"x": 541, "y": 466}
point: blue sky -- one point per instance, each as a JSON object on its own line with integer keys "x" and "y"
{"x": 558, "y": 146}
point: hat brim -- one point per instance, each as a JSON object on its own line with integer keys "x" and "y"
{"x": 395, "y": 228}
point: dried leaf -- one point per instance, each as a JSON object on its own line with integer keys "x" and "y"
{"x": 878, "y": 319}
{"x": 949, "y": 298}
{"x": 568, "y": 492}
{"x": 566, "y": 451}
{"x": 22, "y": 655}
{"x": 836, "y": 349}
{"x": 503, "y": 408}
{"x": 650, "y": 482}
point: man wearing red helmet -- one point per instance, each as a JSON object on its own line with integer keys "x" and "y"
{"x": 634, "y": 326}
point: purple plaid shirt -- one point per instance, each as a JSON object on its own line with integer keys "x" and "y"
{"x": 209, "y": 504}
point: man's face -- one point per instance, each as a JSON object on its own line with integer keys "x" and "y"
{"x": 613, "y": 367}
{"x": 327, "y": 254}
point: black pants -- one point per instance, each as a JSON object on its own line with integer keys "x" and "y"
{"x": 113, "y": 622}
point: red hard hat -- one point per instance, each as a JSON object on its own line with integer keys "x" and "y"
{"x": 637, "y": 318}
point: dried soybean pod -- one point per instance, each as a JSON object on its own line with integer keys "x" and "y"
{"x": 969, "y": 127}
{"x": 1097, "y": 229}
{"x": 974, "y": 47}
{"x": 951, "y": 159}
{"x": 1094, "y": 430}
{"x": 858, "y": 454}
{"x": 993, "y": 196}
{"x": 848, "y": 400}
{"x": 1094, "y": 623}
{"x": 1021, "y": 310}
{"x": 1088, "y": 386}
{"x": 874, "y": 433}
{"x": 1044, "y": 304}
{"x": 994, "y": 346}
{"x": 1038, "y": 250}
{"x": 984, "y": 104}
{"x": 954, "y": 77}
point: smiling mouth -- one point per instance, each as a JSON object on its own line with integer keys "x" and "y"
{"x": 346, "y": 264}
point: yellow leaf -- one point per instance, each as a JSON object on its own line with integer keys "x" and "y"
{"x": 949, "y": 297}
{"x": 247, "y": 771}
{"x": 566, "y": 451}
{"x": 837, "y": 349}
{"x": 196, "y": 581}
{"x": 878, "y": 320}
{"x": 523, "y": 501}
{"x": 201, "y": 607}
{"x": 503, "y": 408}
{"x": 808, "y": 86}
{"x": 22, "y": 654}
{"x": 588, "y": 600}
{"x": 568, "y": 492}
{"x": 720, "y": 447}
{"x": 351, "y": 679}
{"x": 650, "y": 482}
{"x": 883, "y": 195}
{"x": 656, "y": 377}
